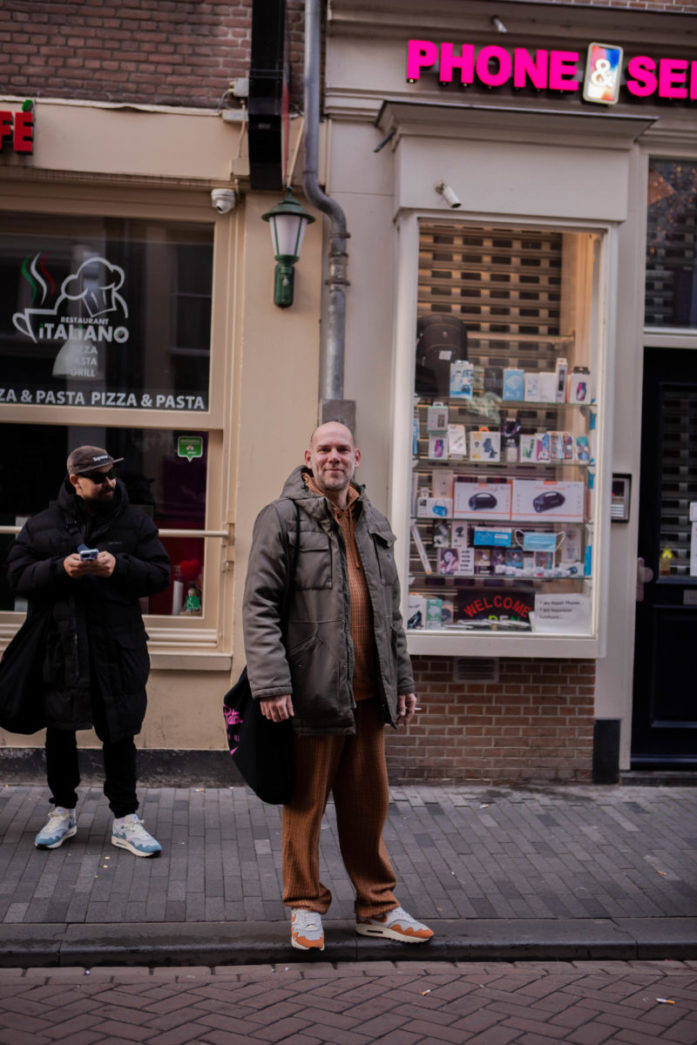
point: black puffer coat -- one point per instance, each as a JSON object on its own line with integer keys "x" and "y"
{"x": 97, "y": 642}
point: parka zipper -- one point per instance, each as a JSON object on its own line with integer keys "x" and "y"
{"x": 347, "y": 602}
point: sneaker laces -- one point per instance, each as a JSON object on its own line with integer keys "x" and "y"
{"x": 60, "y": 814}
{"x": 310, "y": 921}
{"x": 136, "y": 828}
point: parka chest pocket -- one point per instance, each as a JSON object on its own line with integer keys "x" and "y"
{"x": 384, "y": 549}
{"x": 314, "y": 568}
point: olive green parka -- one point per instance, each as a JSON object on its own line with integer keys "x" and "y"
{"x": 310, "y": 656}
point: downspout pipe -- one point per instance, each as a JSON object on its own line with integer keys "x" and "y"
{"x": 333, "y": 407}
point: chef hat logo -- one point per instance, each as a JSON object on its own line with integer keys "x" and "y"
{"x": 96, "y": 283}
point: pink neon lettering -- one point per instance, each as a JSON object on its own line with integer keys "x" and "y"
{"x": 525, "y": 67}
{"x": 563, "y": 67}
{"x": 449, "y": 61}
{"x": 644, "y": 82}
{"x": 672, "y": 74}
{"x": 693, "y": 79}
{"x": 421, "y": 54}
{"x": 489, "y": 77}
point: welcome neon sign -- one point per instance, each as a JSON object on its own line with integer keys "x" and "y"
{"x": 555, "y": 70}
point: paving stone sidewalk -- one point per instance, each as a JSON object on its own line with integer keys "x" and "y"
{"x": 567, "y": 872}
{"x": 400, "y": 1003}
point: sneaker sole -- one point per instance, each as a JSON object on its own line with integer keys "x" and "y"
{"x": 301, "y": 946}
{"x": 70, "y": 833}
{"x": 121, "y": 843}
{"x": 384, "y": 933}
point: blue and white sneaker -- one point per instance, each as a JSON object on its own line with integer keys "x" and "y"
{"x": 61, "y": 824}
{"x": 128, "y": 833}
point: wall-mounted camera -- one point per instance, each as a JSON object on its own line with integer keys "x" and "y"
{"x": 223, "y": 200}
{"x": 448, "y": 194}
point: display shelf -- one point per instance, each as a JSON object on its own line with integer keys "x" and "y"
{"x": 504, "y": 439}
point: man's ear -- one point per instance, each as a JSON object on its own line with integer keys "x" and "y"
{"x": 357, "y": 457}
{"x": 73, "y": 480}
{"x": 308, "y": 459}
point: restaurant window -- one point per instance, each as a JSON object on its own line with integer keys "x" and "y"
{"x": 111, "y": 317}
{"x": 504, "y": 432}
{"x": 165, "y": 475}
{"x": 105, "y": 312}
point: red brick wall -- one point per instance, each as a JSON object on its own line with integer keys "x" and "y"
{"x": 534, "y": 725}
{"x": 175, "y": 52}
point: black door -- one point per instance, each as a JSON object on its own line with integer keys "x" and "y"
{"x": 665, "y": 682}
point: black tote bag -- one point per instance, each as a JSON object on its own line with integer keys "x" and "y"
{"x": 262, "y": 750}
{"x": 21, "y": 676}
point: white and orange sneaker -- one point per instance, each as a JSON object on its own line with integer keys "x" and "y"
{"x": 306, "y": 932}
{"x": 395, "y": 925}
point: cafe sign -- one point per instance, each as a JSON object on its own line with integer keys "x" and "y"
{"x": 17, "y": 129}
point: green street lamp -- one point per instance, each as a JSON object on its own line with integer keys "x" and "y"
{"x": 287, "y": 221}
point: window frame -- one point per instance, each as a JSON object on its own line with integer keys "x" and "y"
{"x": 174, "y": 641}
{"x": 602, "y": 318}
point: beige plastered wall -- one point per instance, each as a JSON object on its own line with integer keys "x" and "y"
{"x": 101, "y": 159}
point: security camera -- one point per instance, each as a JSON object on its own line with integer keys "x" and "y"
{"x": 223, "y": 200}
{"x": 448, "y": 194}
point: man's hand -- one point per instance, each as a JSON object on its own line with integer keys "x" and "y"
{"x": 102, "y": 566}
{"x": 277, "y": 709}
{"x": 406, "y": 708}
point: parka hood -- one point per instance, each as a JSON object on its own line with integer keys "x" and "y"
{"x": 295, "y": 488}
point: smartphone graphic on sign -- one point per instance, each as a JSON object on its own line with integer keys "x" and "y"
{"x": 603, "y": 69}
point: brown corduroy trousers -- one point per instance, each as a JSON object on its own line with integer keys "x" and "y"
{"x": 353, "y": 769}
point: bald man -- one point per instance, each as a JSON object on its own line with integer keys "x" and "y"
{"x": 338, "y": 667}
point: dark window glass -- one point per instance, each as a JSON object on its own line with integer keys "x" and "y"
{"x": 105, "y": 312}
{"x": 165, "y": 474}
{"x": 671, "y": 274}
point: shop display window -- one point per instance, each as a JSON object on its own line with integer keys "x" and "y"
{"x": 165, "y": 474}
{"x": 105, "y": 312}
{"x": 504, "y": 432}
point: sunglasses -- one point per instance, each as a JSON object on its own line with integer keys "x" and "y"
{"x": 98, "y": 478}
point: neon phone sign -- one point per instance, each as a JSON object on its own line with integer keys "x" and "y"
{"x": 598, "y": 72}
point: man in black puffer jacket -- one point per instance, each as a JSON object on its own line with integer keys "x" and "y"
{"x": 87, "y": 560}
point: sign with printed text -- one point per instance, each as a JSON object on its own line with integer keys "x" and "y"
{"x": 601, "y": 75}
{"x": 562, "y": 613}
{"x": 78, "y": 327}
{"x": 190, "y": 446}
{"x": 17, "y": 130}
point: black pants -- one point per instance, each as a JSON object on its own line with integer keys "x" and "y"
{"x": 63, "y": 771}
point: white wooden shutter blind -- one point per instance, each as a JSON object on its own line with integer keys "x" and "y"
{"x": 504, "y": 284}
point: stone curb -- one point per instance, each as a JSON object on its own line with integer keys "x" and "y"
{"x": 218, "y": 943}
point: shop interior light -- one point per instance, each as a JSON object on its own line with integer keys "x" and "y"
{"x": 287, "y": 221}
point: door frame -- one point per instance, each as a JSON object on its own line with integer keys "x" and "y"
{"x": 672, "y": 344}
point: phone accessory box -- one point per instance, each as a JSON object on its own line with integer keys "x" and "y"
{"x": 534, "y": 500}
{"x": 481, "y": 500}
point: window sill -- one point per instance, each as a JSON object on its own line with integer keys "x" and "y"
{"x": 481, "y": 644}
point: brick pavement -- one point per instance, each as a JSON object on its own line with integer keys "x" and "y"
{"x": 485, "y": 866}
{"x": 395, "y": 1003}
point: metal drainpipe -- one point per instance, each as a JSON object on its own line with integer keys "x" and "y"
{"x": 333, "y": 406}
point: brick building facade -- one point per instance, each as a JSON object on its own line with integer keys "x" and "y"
{"x": 535, "y": 721}
{"x": 183, "y": 52}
